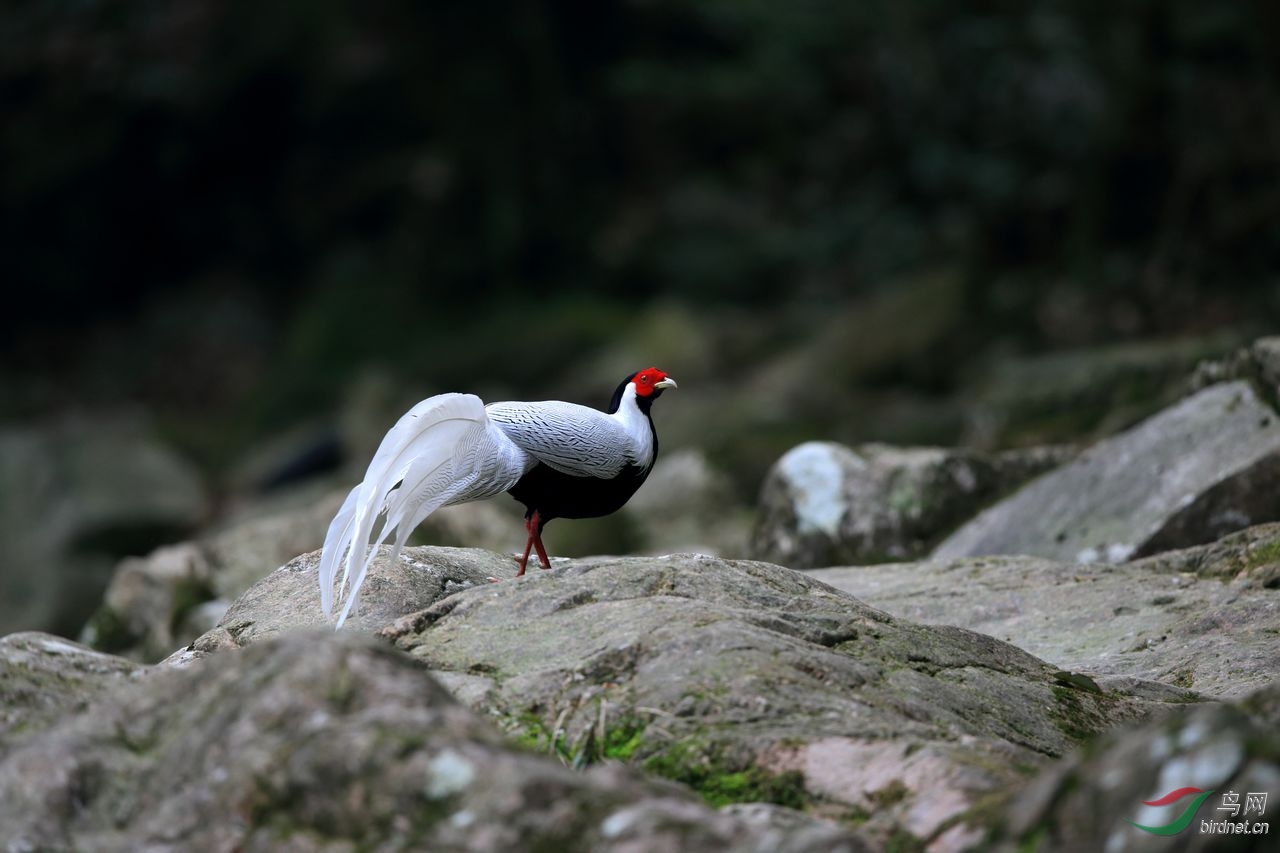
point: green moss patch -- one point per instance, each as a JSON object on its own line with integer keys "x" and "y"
{"x": 721, "y": 781}
{"x": 1263, "y": 554}
{"x": 1076, "y": 716}
{"x": 619, "y": 741}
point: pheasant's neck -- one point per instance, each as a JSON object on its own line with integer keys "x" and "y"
{"x": 638, "y": 426}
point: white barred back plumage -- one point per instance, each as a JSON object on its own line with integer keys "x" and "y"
{"x": 573, "y": 439}
{"x": 559, "y": 459}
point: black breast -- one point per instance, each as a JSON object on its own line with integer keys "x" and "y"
{"x": 556, "y": 495}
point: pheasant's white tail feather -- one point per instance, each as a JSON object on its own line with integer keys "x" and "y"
{"x": 336, "y": 542}
{"x": 443, "y": 450}
{"x": 395, "y": 521}
{"x": 415, "y": 487}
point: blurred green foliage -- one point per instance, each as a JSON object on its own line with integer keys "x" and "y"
{"x": 401, "y": 174}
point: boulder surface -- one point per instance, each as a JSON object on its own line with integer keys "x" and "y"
{"x": 1205, "y": 618}
{"x": 1096, "y": 798}
{"x": 749, "y": 681}
{"x": 323, "y": 742}
{"x": 44, "y": 678}
{"x": 1188, "y": 475}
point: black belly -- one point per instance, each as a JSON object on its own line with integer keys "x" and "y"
{"x": 556, "y": 495}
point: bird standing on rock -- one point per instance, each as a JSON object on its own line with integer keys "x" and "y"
{"x": 560, "y": 460}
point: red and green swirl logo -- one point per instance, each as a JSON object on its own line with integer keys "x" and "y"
{"x": 1184, "y": 820}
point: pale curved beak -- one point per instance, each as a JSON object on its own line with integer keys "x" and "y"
{"x": 666, "y": 383}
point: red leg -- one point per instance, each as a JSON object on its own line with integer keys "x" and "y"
{"x": 542, "y": 552}
{"x": 524, "y": 559}
{"x": 533, "y": 524}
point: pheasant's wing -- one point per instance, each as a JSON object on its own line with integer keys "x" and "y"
{"x": 572, "y": 439}
{"x": 444, "y": 450}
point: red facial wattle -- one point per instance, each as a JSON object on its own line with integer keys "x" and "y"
{"x": 650, "y": 380}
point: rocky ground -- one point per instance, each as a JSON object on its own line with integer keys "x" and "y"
{"x": 1079, "y": 629}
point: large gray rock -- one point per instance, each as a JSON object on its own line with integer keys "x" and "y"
{"x": 1204, "y": 618}
{"x": 74, "y": 495}
{"x": 319, "y": 742}
{"x": 1092, "y": 800}
{"x": 825, "y": 504}
{"x": 749, "y": 681}
{"x": 1194, "y": 472}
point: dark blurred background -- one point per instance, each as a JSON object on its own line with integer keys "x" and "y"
{"x": 247, "y": 226}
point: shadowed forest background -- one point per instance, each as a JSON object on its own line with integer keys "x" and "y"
{"x": 992, "y": 224}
